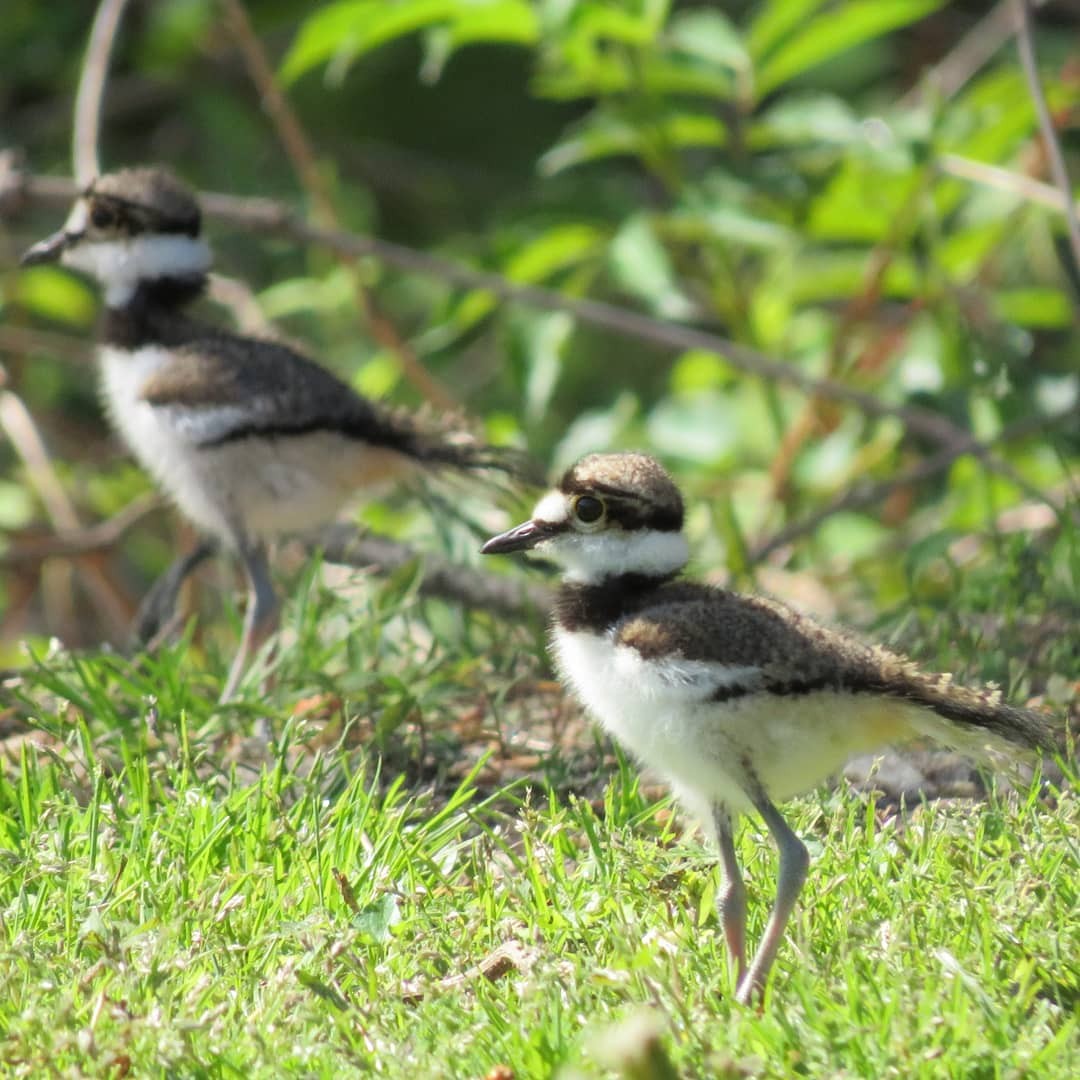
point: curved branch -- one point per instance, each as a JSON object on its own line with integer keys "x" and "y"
{"x": 271, "y": 216}
{"x": 69, "y": 544}
{"x": 1025, "y": 45}
{"x": 300, "y": 153}
{"x": 867, "y": 493}
{"x": 84, "y": 148}
{"x": 343, "y": 545}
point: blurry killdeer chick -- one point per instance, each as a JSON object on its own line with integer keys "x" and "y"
{"x": 248, "y": 437}
{"x": 738, "y": 701}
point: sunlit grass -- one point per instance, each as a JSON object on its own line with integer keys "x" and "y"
{"x": 191, "y": 890}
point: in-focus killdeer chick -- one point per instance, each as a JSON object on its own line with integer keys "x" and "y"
{"x": 739, "y": 701}
{"x": 247, "y": 436}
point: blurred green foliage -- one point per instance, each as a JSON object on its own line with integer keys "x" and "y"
{"x": 777, "y": 171}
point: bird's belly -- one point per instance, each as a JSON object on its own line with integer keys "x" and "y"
{"x": 710, "y": 750}
{"x": 293, "y": 483}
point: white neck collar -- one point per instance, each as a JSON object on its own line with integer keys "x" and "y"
{"x": 123, "y": 265}
{"x": 589, "y": 558}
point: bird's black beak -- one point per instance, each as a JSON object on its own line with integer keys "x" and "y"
{"x": 520, "y": 538}
{"x": 48, "y": 250}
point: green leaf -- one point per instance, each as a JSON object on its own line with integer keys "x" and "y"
{"x": 544, "y": 338}
{"x": 609, "y": 52}
{"x": 595, "y": 430}
{"x": 852, "y": 536}
{"x": 836, "y": 31}
{"x": 16, "y": 506}
{"x": 591, "y": 22}
{"x": 605, "y": 133}
{"x": 1036, "y": 306}
{"x": 377, "y": 376}
{"x": 699, "y": 427}
{"x": 52, "y": 293}
{"x": 343, "y": 31}
{"x": 498, "y": 21}
{"x": 559, "y": 248}
{"x": 859, "y": 203}
{"x": 375, "y": 919}
{"x": 806, "y": 118}
{"x": 965, "y": 251}
{"x": 711, "y": 36}
{"x": 775, "y": 21}
{"x": 640, "y": 264}
{"x": 730, "y": 224}
{"x": 334, "y": 292}
{"x": 697, "y": 370}
{"x": 824, "y": 275}
{"x": 321, "y": 989}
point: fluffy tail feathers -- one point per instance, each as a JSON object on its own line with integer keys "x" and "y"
{"x": 976, "y": 715}
{"x": 447, "y": 441}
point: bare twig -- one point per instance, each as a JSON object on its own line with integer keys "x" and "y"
{"x": 271, "y": 216}
{"x": 16, "y": 421}
{"x": 1023, "y": 187}
{"x": 855, "y": 311}
{"x": 22, "y": 340}
{"x": 867, "y": 493}
{"x": 1025, "y": 45}
{"x": 84, "y": 149}
{"x": 300, "y": 153}
{"x": 951, "y": 74}
{"x": 97, "y": 537}
{"x": 343, "y": 545}
{"x": 511, "y": 956}
{"x": 19, "y": 189}
{"x": 236, "y": 295}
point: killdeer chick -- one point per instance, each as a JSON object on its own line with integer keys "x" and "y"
{"x": 739, "y": 701}
{"x": 248, "y": 437}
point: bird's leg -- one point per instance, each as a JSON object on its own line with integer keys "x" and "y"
{"x": 794, "y": 862}
{"x": 158, "y": 607}
{"x": 731, "y": 903}
{"x": 261, "y": 617}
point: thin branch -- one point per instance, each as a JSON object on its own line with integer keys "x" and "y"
{"x": 24, "y": 341}
{"x": 1023, "y": 187}
{"x": 867, "y": 493}
{"x": 967, "y": 57}
{"x": 238, "y": 297}
{"x": 270, "y": 216}
{"x": 98, "y": 537}
{"x": 18, "y": 423}
{"x": 343, "y": 545}
{"x": 1025, "y": 45}
{"x": 302, "y": 156}
{"x": 95, "y": 71}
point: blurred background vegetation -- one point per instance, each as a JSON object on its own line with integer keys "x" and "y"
{"x": 858, "y": 188}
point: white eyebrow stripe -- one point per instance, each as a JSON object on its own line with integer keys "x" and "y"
{"x": 77, "y": 219}
{"x": 553, "y": 508}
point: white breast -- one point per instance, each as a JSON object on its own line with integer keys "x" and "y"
{"x": 661, "y": 711}
{"x": 158, "y": 437}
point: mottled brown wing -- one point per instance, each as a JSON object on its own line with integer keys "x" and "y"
{"x": 723, "y": 628}
{"x": 230, "y": 388}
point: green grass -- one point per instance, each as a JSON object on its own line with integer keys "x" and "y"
{"x": 169, "y": 902}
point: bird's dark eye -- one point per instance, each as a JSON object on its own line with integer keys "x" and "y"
{"x": 101, "y": 217}
{"x": 588, "y": 510}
